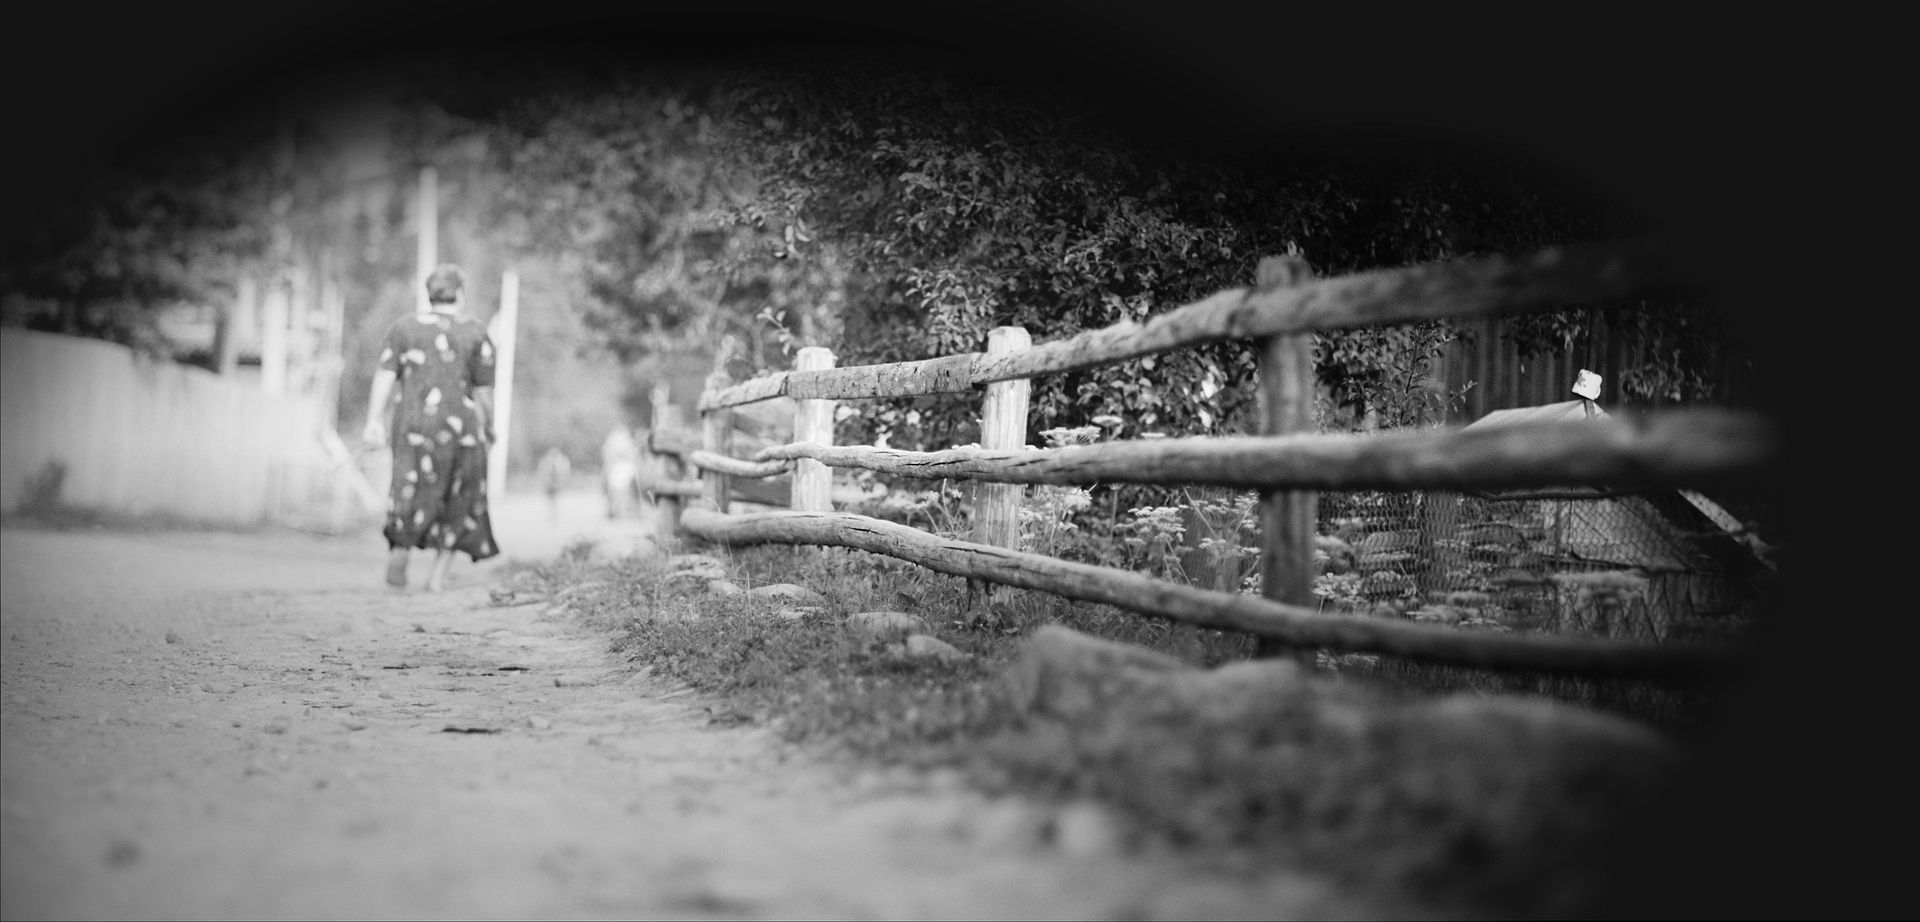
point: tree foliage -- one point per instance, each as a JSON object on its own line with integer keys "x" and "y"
{"x": 164, "y": 226}
{"x": 901, "y": 210}
{"x": 625, "y": 183}
{"x": 892, "y": 210}
{"x": 964, "y": 200}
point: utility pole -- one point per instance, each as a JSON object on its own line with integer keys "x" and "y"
{"x": 273, "y": 337}
{"x": 333, "y": 306}
{"x": 427, "y": 215}
{"x": 300, "y": 339}
{"x": 277, "y": 313}
{"x": 502, "y": 331}
{"x": 236, "y": 322}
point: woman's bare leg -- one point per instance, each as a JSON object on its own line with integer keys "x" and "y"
{"x": 397, "y": 567}
{"x": 437, "y": 577}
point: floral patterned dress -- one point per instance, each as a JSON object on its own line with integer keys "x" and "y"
{"x": 439, "y": 492}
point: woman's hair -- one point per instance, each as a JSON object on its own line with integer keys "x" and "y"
{"x": 445, "y": 283}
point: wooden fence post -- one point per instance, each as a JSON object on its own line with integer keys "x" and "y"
{"x": 652, "y": 465}
{"x": 716, "y": 426}
{"x": 1003, "y": 425}
{"x": 1287, "y": 517}
{"x": 812, "y": 482}
{"x": 716, "y": 435}
{"x": 673, "y": 468}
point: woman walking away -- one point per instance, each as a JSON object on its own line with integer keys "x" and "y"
{"x": 439, "y": 425}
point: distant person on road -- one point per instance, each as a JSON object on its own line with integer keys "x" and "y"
{"x": 553, "y": 470}
{"x": 439, "y": 425}
{"x": 620, "y": 470}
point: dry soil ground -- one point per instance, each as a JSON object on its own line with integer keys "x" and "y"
{"x": 214, "y": 725}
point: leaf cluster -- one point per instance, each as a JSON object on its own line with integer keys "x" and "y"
{"x": 164, "y": 226}
{"x": 959, "y": 200}
{"x": 896, "y": 211}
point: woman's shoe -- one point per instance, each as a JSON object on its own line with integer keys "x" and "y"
{"x": 397, "y": 572}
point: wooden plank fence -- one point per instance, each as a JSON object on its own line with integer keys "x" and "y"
{"x": 141, "y": 436}
{"x": 1287, "y": 463}
{"x": 137, "y": 435}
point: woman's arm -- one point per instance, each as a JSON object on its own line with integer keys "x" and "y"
{"x": 484, "y": 397}
{"x": 377, "y": 405}
{"x": 480, "y": 372}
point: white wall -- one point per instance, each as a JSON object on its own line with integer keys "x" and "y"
{"x": 139, "y": 435}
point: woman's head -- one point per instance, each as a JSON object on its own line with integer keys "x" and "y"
{"x": 445, "y": 285}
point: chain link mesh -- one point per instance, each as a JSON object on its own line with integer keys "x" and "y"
{"x": 1647, "y": 566}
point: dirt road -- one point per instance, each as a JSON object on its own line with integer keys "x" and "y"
{"x": 216, "y": 725}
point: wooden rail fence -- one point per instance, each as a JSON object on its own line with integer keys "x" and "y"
{"x": 1286, "y": 462}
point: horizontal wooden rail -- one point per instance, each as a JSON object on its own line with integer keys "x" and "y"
{"x": 677, "y": 488}
{"x": 1677, "y": 448}
{"x": 680, "y": 442}
{"x": 952, "y": 374}
{"x": 711, "y": 461}
{"x": 752, "y": 491}
{"x": 1292, "y": 625}
{"x": 752, "y": 390}
{"x": 1550, "y": 278}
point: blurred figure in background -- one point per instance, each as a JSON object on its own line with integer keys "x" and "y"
{"x": 439, "y": 427}
{"x": 553, "y": 472}
{"x": 620, "y": 471}
{"x": 647, "y": 471}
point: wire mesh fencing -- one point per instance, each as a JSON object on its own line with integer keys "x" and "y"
{"x": 1647, "y": 566}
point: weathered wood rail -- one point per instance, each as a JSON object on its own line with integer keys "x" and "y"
{"x": 1493, "y": 285}
{"x": 1678, "y": 448}
{"x": 1292, "y": 625}
{"x": 1674, "y": 449}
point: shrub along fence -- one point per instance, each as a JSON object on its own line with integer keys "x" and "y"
{"x": 1287, "y": 463}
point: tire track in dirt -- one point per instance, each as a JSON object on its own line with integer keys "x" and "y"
{"x": 287, "y": 754}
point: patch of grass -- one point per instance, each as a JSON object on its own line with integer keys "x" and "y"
{"x": 1679, "y": 709}
{"x": 813, "y": 681}
{"x": 1485, "y": 822}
